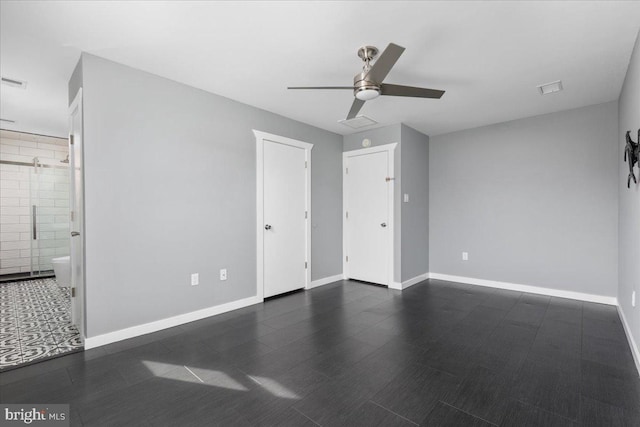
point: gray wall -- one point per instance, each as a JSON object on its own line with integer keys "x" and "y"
{"x": 382, "y": 136}
{"x": 415, "y": 213}
{"x": 533, "y": 201}
{"x": 171, "y": 190}
{"x": 629, "y": 211}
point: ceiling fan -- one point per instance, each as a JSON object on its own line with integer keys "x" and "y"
{"x": 368, "y": 85}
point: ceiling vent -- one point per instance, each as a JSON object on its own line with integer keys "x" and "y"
{"x": 358, "y": 122}
{"x": 548, "y": 88}
{"x": 14, "y": 82}
{"x": 7, "y": 121}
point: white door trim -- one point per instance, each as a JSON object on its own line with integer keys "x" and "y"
{"x": 307, "y": 147}
{"x": 390, "y": 149}
{"x": 80, "y": 302}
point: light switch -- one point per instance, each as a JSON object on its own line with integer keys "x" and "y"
{"x": 406, "y": 197}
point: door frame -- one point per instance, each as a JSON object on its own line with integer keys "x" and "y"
{"x": 79, "y": 301}
{"x": 261, "y": 137}
{"x": 390, "y": 149}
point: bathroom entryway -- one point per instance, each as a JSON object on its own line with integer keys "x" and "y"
{"x": 35, "y": 282}
{"x": 34, "y": 204}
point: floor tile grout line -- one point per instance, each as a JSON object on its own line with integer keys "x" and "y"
{"x": 304, "y": 415}
{"x": 548, "y": 411}
{"x": 538, "y": 327}
{"x": 468, "y": 413}
{"x": 394, "y": 413}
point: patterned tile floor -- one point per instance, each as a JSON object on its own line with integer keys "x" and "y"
{"x": 35, "y": 322}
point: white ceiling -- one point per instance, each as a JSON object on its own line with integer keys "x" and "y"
{"x": 488, "y": 56}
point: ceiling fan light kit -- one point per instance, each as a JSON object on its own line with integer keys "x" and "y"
{"x": 367, "y": 94}
{"x": 369, "y": 85}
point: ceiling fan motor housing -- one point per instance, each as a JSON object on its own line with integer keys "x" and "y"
{"x": 361, "y": 84}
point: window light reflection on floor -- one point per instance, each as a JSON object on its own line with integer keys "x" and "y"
{"x": 215, "y": 378}
{"x": 193, "y": 375}
{"x": 274, "y": 387}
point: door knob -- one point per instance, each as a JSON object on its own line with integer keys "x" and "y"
{"x": 267, "y": 227}
{"x": 74, "y": 234}
{"x": 383, "y": 225}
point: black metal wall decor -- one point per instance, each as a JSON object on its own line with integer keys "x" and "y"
{"x": 632, "y": 155}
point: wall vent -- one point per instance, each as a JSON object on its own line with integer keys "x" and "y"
{"x": 13, "y": 82}
{"x": 358, "y": 122}
{"x": 548, "y": 88}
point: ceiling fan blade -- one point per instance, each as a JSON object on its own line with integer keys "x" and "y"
{"x": 385, "y": 63}
{"x": 355, "y": 108}
{"x": 321, "y": 87}
{"x": 416, "y": 92}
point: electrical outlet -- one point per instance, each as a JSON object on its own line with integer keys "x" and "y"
{"x": 223, "y": 274}
{"x": 465, "y": 256}
{"x": 406, "y": 197}
{"x": 195, "y": 279}
{"x": 633, "y": 299}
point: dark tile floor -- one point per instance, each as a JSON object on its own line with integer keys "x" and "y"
{"x": 436, "y": 354}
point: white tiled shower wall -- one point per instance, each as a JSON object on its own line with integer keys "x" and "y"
{"x": 20, "y": 189}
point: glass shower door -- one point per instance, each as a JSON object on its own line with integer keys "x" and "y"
{"x": 49, "y": 211}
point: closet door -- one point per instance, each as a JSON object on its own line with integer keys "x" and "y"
{"x": 367, "y": 219}
{"x": 285, "y": 219}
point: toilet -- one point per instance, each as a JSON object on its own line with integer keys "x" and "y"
{"x": 62, "y": 270}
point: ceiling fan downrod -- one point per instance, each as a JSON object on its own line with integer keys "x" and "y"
{"x": 367, "y": 53}
{"x": 364, "y": 88}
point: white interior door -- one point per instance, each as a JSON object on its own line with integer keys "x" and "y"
{"x": 77, "y": 214}
{"x": 367, "y": 217}
{"x": 285, "y": 212}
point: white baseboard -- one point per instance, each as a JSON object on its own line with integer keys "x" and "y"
{"x": 635, "y": 350}
{"x": 601, "y": 299}
{"x": 325, "y": 281}
{"x": 410, "y": 282}
{"x": 158, "y": 325}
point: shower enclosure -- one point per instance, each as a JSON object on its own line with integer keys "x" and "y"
{"x": 34, "y": 214}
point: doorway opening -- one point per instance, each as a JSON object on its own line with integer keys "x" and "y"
{"x": 35, "y": 287}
